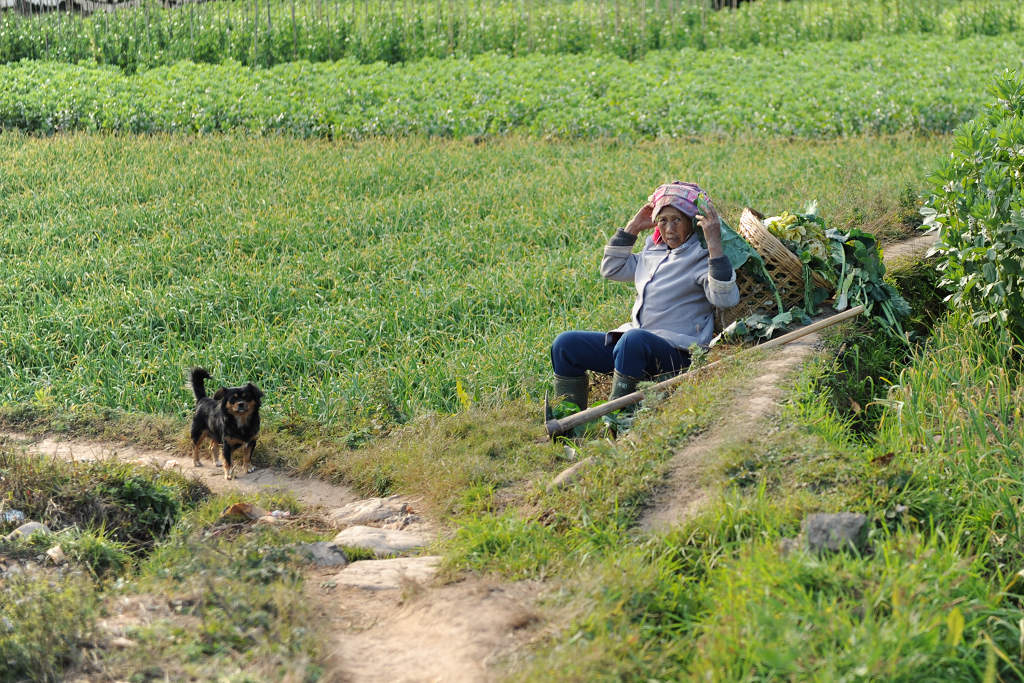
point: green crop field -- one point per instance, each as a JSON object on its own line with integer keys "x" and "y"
{"x": 383, "y": 213}
{"x": 278, "y": 31}
{"x": 350, "y": 280}
{"x": 876, "y": 86}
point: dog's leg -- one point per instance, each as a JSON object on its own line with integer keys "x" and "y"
{"x": 249, "y": 448}
{"x": 197, "y": 434}
{"x": 228, "y": 467}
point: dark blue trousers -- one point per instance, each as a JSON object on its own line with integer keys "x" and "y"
{"x": 637, "y": 353}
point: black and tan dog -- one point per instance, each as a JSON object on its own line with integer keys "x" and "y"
{"x": 230, "y": 419}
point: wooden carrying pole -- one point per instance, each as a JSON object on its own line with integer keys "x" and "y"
{"x": 559, "y": 427}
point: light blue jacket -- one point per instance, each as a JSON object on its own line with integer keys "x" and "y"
{"x": 675, "y": 293}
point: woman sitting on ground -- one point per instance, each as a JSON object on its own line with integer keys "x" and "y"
{"x": 678, "y": 284}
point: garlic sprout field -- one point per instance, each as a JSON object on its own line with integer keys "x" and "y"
{"x": 354, "y": 283}
{"x": 138, "y": 36}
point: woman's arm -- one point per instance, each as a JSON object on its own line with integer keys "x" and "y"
{"x": 712, "y": 228}
{"x": 720, "y": 287}
{"x": 619, "y": 262}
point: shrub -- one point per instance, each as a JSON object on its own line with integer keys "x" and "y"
{"x": 977, "y": 205}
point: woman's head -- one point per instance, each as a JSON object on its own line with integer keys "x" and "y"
{"x": 680, "y": 197}
{"x": 674, "y": 227}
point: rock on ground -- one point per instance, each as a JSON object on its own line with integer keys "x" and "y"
{"x": 382, "y": 542}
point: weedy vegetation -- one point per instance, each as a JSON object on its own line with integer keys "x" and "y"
{"x": 214, "y": 599}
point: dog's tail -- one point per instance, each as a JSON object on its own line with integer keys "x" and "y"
{"x": 198, "y": 385}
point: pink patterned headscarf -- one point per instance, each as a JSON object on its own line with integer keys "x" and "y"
{"x": 683, "y": 196}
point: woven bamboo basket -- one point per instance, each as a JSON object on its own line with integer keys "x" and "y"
{"x": 785, "y": 269}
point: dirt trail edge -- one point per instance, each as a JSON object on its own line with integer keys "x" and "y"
{"x": 263, "y": 480}
{"x": 684, "y": 491}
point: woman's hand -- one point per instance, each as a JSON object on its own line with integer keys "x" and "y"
{"x": 712, "y": 228}
{"x": 641, "y": 220}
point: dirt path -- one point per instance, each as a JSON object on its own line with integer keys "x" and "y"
{"x": 385, "y": 620}
{"x": 685, "y": 489}
{"x": 264, "y": 480}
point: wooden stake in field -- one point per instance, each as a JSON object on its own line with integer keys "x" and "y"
{"x": 558, "y": 427}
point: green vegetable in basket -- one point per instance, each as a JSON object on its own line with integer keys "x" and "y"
{"x": 849, "y": 259}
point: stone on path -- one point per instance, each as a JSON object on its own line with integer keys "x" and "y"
{"x": 26, "y": 530}
{"x": 323, "y": 554}
{"x": 394, "y": 574}
{"x": 369, "y": 511}
{"x": 382, "y": 542}
{"x": 838, "y": 531}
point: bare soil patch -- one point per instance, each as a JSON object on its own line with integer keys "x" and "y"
{"x": 420, "y": 632}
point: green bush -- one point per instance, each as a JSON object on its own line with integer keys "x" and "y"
{"x": 978, "y": 208}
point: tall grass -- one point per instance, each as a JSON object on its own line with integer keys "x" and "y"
{"x": 276, "y": 31}
{"x": 358, "y": 285}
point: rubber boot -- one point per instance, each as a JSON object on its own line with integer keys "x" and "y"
{"x": 572, "y": 389}
{"x": 622, "y": 419}
{"x": 622, "y": 385}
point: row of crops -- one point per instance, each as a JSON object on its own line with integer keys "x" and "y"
{"x": 878, "y": 86}
{"x": 276, "y": 31}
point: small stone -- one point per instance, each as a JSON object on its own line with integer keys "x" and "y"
{"x": 26, "y": 530}
{"x": 837, "y": 531}
{"x": 382, "y": 542}
{"x": 368, "y": 511}
{"x": 323, "y": 554}
{"x": 394, "y": 574}
{"x": 56, "y": 555}
{"x": 123, "y": 643}
{"x": 788, "y": 546}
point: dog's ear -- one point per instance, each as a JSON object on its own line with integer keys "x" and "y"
{"x": 220, "y": 393}
{"x": 254, "y": 390}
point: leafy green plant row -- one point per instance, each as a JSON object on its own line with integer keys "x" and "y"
{"x": 279, "y": 31}
{"x": 878, "y": 86}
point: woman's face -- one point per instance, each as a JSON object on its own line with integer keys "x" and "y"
{"x": 674, "y": 225}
